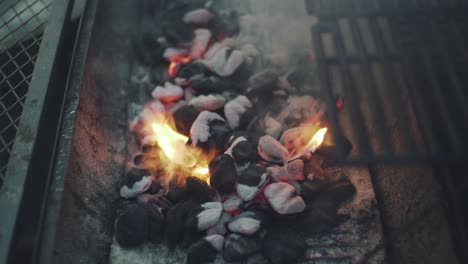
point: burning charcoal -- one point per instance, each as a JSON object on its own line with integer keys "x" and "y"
{"x": 251, "y": 181}
{"x": 225, "y": 62}
{"x": 263, "y": 82}
{"x": 199, "y": 191}
{"x": 174, "y": 52}
{"x": 223, "y": 174}
{"x": 149, "y": 144}
{"x": 205, "y": 250}
{"x": 271, "y": 150}
{"x": 290, "y": 172}
{"x": 145, "y": 161}
{"x": 169, "y": 93}
{"x": 234, "y": 109}
{"x": 210, "y": 131}
{"x": 158, "y": 201}
{"x": 184, "y": 118}
{"x": 282, "y": 247}
{"x": 220, "y": 227}
{"x": 239, "y": 248}
{"x": 199, "y": 16}
{"x": 247, "y": 223}
{"x": 232, "y": 203}
{"x": 137, "y": 181}
{"x": 200, "y": 43}
{"x": 210, "y": 216}
{"x": 282, "y": 197}
{"x": 208, "y": 102}
{"x": 273, "y": 127}
{"x": 133, "y": 225}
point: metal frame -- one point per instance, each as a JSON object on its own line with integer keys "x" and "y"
{"x": 42, "y": 95}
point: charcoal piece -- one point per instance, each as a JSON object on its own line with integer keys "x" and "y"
{"x": 198, "y": 16}
{"x": 132, "y": 226}
{"x": 264, "y": 82}
{"x": 211, "y": 84}
{"x": 238, "y": 247}
{"x": 145, "y": 161}
{"x": 273, "y": 127}
{"x": 220, "y": 228}
{"x": 210, "y": 102}
{"x": 193, "y": 70}
{"x": 210, "y": 216}
{"x": 155, "y": 200}
{"x": 271, "y": 150}
{"x": 210, "y": 132}
{"x": 184, "y": 118}
{"x": 283, "y": 247}
{"x": 227, "y": 22}
{"x": 168, "y": 93}
{"x": 235, "y": 109}
{"x": 290, "y": 172}
{"x": 205, "y": 250}
{"x": 137, "y": 181}
{"x": 199, "y": 191}
{"x": 223, "y": 175}
{"x": 232, "y": 203}
{"x": 177, "y": 194}
{"x": 176, "y": 223}
{"x": 247, "y": 223}
{"x": 251, "y": 181}
{"x": 283, "y": 198}
{"x": 224, "y": 62}
{"x": 156, "y": 222}
{"x": 245, "y": 152}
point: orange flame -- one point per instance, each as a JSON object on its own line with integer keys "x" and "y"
{"x": 314, "y": 143}
{"x": 178, "y": 157}
{"x": 175, "y": 62}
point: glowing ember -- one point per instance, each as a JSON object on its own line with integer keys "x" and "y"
{"x": 175, "y": 62}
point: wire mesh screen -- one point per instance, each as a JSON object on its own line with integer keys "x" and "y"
{"x": 21, "y": 25}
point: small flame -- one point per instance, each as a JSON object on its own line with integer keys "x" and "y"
{"x": 316, "y": 140}
{"x": 175, "y": 62}
{"x": 169, "y": 140}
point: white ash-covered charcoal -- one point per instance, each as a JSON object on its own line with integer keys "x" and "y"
{"x": 250, "y": 53}
{"x": 168, "y": 93}
{"x": 243, "y": 152}
{"x": 208, "y": 102}
{"x": 225, "y": 62}
{"x": 210, "y": 216}
{"x": 199, "y": 191}
{"x": 290, "y": 172}
{"x": 213, "y": 50}
{"x": 223, "y": 175}
{"x": 184, "y": 118}
{"x": 175, "y": 222}
{"x": 156, "y": 200}
{"x": 251, "y": 181}
{"x": 220, "y": 227}
{"x": 234, "y": 109}
{"x": 238, "y": 247}
{"x": 200, "y": 16}
{"x": 283, "y": 198}
{"x": 205, "y": 250}
{"x": 247, "y": 223}
{"x": 232, "y": 203}
{"x": 137, "y": 181}
{"x": 263, "y": 83}
{"x": 174, "y": 52}
{"x": 189, "y": 94}
{"x": 200, "y": 43}
{"x": 283, "y": 247}
{"x": 131, "y": 226}
{"x": 210, "y": 132}
{"x": 271, "y": 150}
{"x": 273, "y": 127}
{"x": 172, "y": 107}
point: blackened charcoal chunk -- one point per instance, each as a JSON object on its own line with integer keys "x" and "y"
{"x": 176, "y": 227}
{"x": 245, "y": 152}
{"x": 191, "y": 71}
{"x": 155, "y": 200}
{"x": 235, "y": 109}
{"x": 239, "y": 248}
{"x": 132, "y": 226}
{"x": 199, "y": 191}
{"x": 156, "y": 222}
{"x": 282, "y": 247}
{"x": 137, "y": 181}
{"x": 211, "y": 84}
{"x": 210, "y": 132}
{"x": 184, "y": 118}
{"x": 223, "y": 174}
{"x": 203, "y": 251}
{"x": 251, "y": 181}
{"x": 264, "y": 82}
{"x": 177, "y": 193}
{"x": 247, "y": 223}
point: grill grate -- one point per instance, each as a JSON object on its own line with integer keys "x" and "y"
{"x": 402, "y": 78}
{"x": 21, "y": 25}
